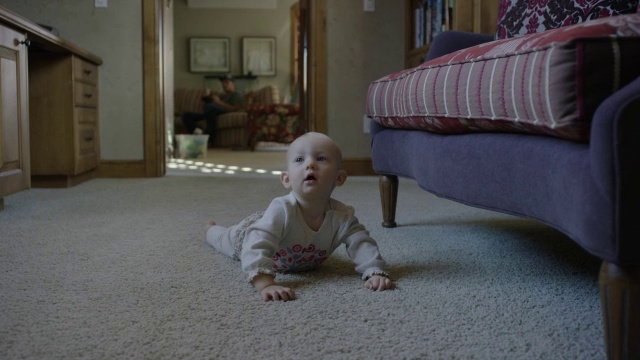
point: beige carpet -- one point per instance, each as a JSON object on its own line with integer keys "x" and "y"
{"x": 116, "y": 268}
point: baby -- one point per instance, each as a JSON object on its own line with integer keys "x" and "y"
{"x": 300, "y": 230}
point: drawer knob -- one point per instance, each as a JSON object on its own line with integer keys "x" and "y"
{"x": 26, "y": 42}
{"x": 87, "y": 72}
{"x": 88, "y": 95}
{"x": 88, "y": 138}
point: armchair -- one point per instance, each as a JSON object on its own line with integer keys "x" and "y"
{"x": 232, "y": 128}
{"x": 273, "y": 123}
{"x": 541, "y": 125}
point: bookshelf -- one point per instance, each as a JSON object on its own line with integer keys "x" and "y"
{"x": 465, "y": 15}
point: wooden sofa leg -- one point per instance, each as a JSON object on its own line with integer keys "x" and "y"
{"x": 389, "y": 198}
{"x": 620, "y": 298}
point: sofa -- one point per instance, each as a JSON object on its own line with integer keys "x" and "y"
{"x": 541, "y": 125}
{"x": 261, "y": 118}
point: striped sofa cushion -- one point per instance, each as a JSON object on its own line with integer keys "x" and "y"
{"x": 544, "y": 83}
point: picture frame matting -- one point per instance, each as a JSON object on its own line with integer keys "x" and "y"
{"x": 210, "y": 55}
{"x": 259, "y": 56}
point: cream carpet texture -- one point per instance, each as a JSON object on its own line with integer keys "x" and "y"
{"x": 119, "y": 269}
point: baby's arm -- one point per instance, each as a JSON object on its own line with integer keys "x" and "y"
{"x": 364, "y": 252}
{"x": 269, "y": 290}
{"x": 379, "y": 283}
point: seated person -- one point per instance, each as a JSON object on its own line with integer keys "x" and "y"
{"x": 214, "y": 105}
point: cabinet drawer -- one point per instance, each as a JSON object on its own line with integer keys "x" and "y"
{"x": 85, "y": 71}
{"x": 87, "y": 142}
{"x": 85, "y": 95}
{"x": 86, "y": 115}
{"x": 87, "y": 150}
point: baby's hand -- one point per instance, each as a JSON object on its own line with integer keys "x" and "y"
{"x": 379, "y": 283}
{"x": 277, "y": 292}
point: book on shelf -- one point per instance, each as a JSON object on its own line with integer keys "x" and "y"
{"x": 431, "y": 17}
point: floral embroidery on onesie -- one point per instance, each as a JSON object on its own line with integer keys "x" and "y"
{"x": 299, "y": 258}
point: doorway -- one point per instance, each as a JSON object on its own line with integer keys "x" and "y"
{"x": 311, "y": 69}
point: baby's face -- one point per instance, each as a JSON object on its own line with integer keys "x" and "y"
{"x": 313, "y": 166}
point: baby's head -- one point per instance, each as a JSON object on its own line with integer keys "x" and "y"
{"x": 314, "y": 161}
{"x": 318, "y": 141}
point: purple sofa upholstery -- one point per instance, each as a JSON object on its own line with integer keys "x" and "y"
{"x": 590, "y": 192}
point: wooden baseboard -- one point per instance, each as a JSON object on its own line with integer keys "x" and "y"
{"x": 61, "y": 181}
{"x": 358, "y": 167}
{"x": 121, "y": 169}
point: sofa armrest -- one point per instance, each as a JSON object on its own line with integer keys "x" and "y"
{"x": 450, "y": 41}
{"x": 617, "y": 114}
{"x": 189, "y": 100}
{"x": 266, "y": 95}
{"x": 615, "y": 160}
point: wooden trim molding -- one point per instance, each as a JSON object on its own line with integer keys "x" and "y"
{"x": 358, "y": 167}
{"x": 153, "y": 94}
{"x": 122, "y": 169}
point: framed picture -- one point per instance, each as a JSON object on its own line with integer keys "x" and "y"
{"x": 209, "y": 55}
{"x": 259, "y": 56}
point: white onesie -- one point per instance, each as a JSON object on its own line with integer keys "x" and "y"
{"x": 280, "y": 240}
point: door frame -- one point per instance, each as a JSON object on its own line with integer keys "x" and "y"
{"x": 156, "y": 93}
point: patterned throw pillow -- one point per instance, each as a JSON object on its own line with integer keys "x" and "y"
{"x": 520, "y": 17}
{"x": 273, "y": 122}
{"x": 544, "y": 83}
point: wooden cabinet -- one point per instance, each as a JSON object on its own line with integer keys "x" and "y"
{"x": 63, "y": 103}
{"x": 48, "y": 108}
{"x": 465, "y": 15}
{"x": 14, "y": 116}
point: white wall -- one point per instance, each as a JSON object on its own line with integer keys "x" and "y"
{"x": 115, "y": 34}
{"x": 361, "y": 47}
{"x": 233, "y": 24}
